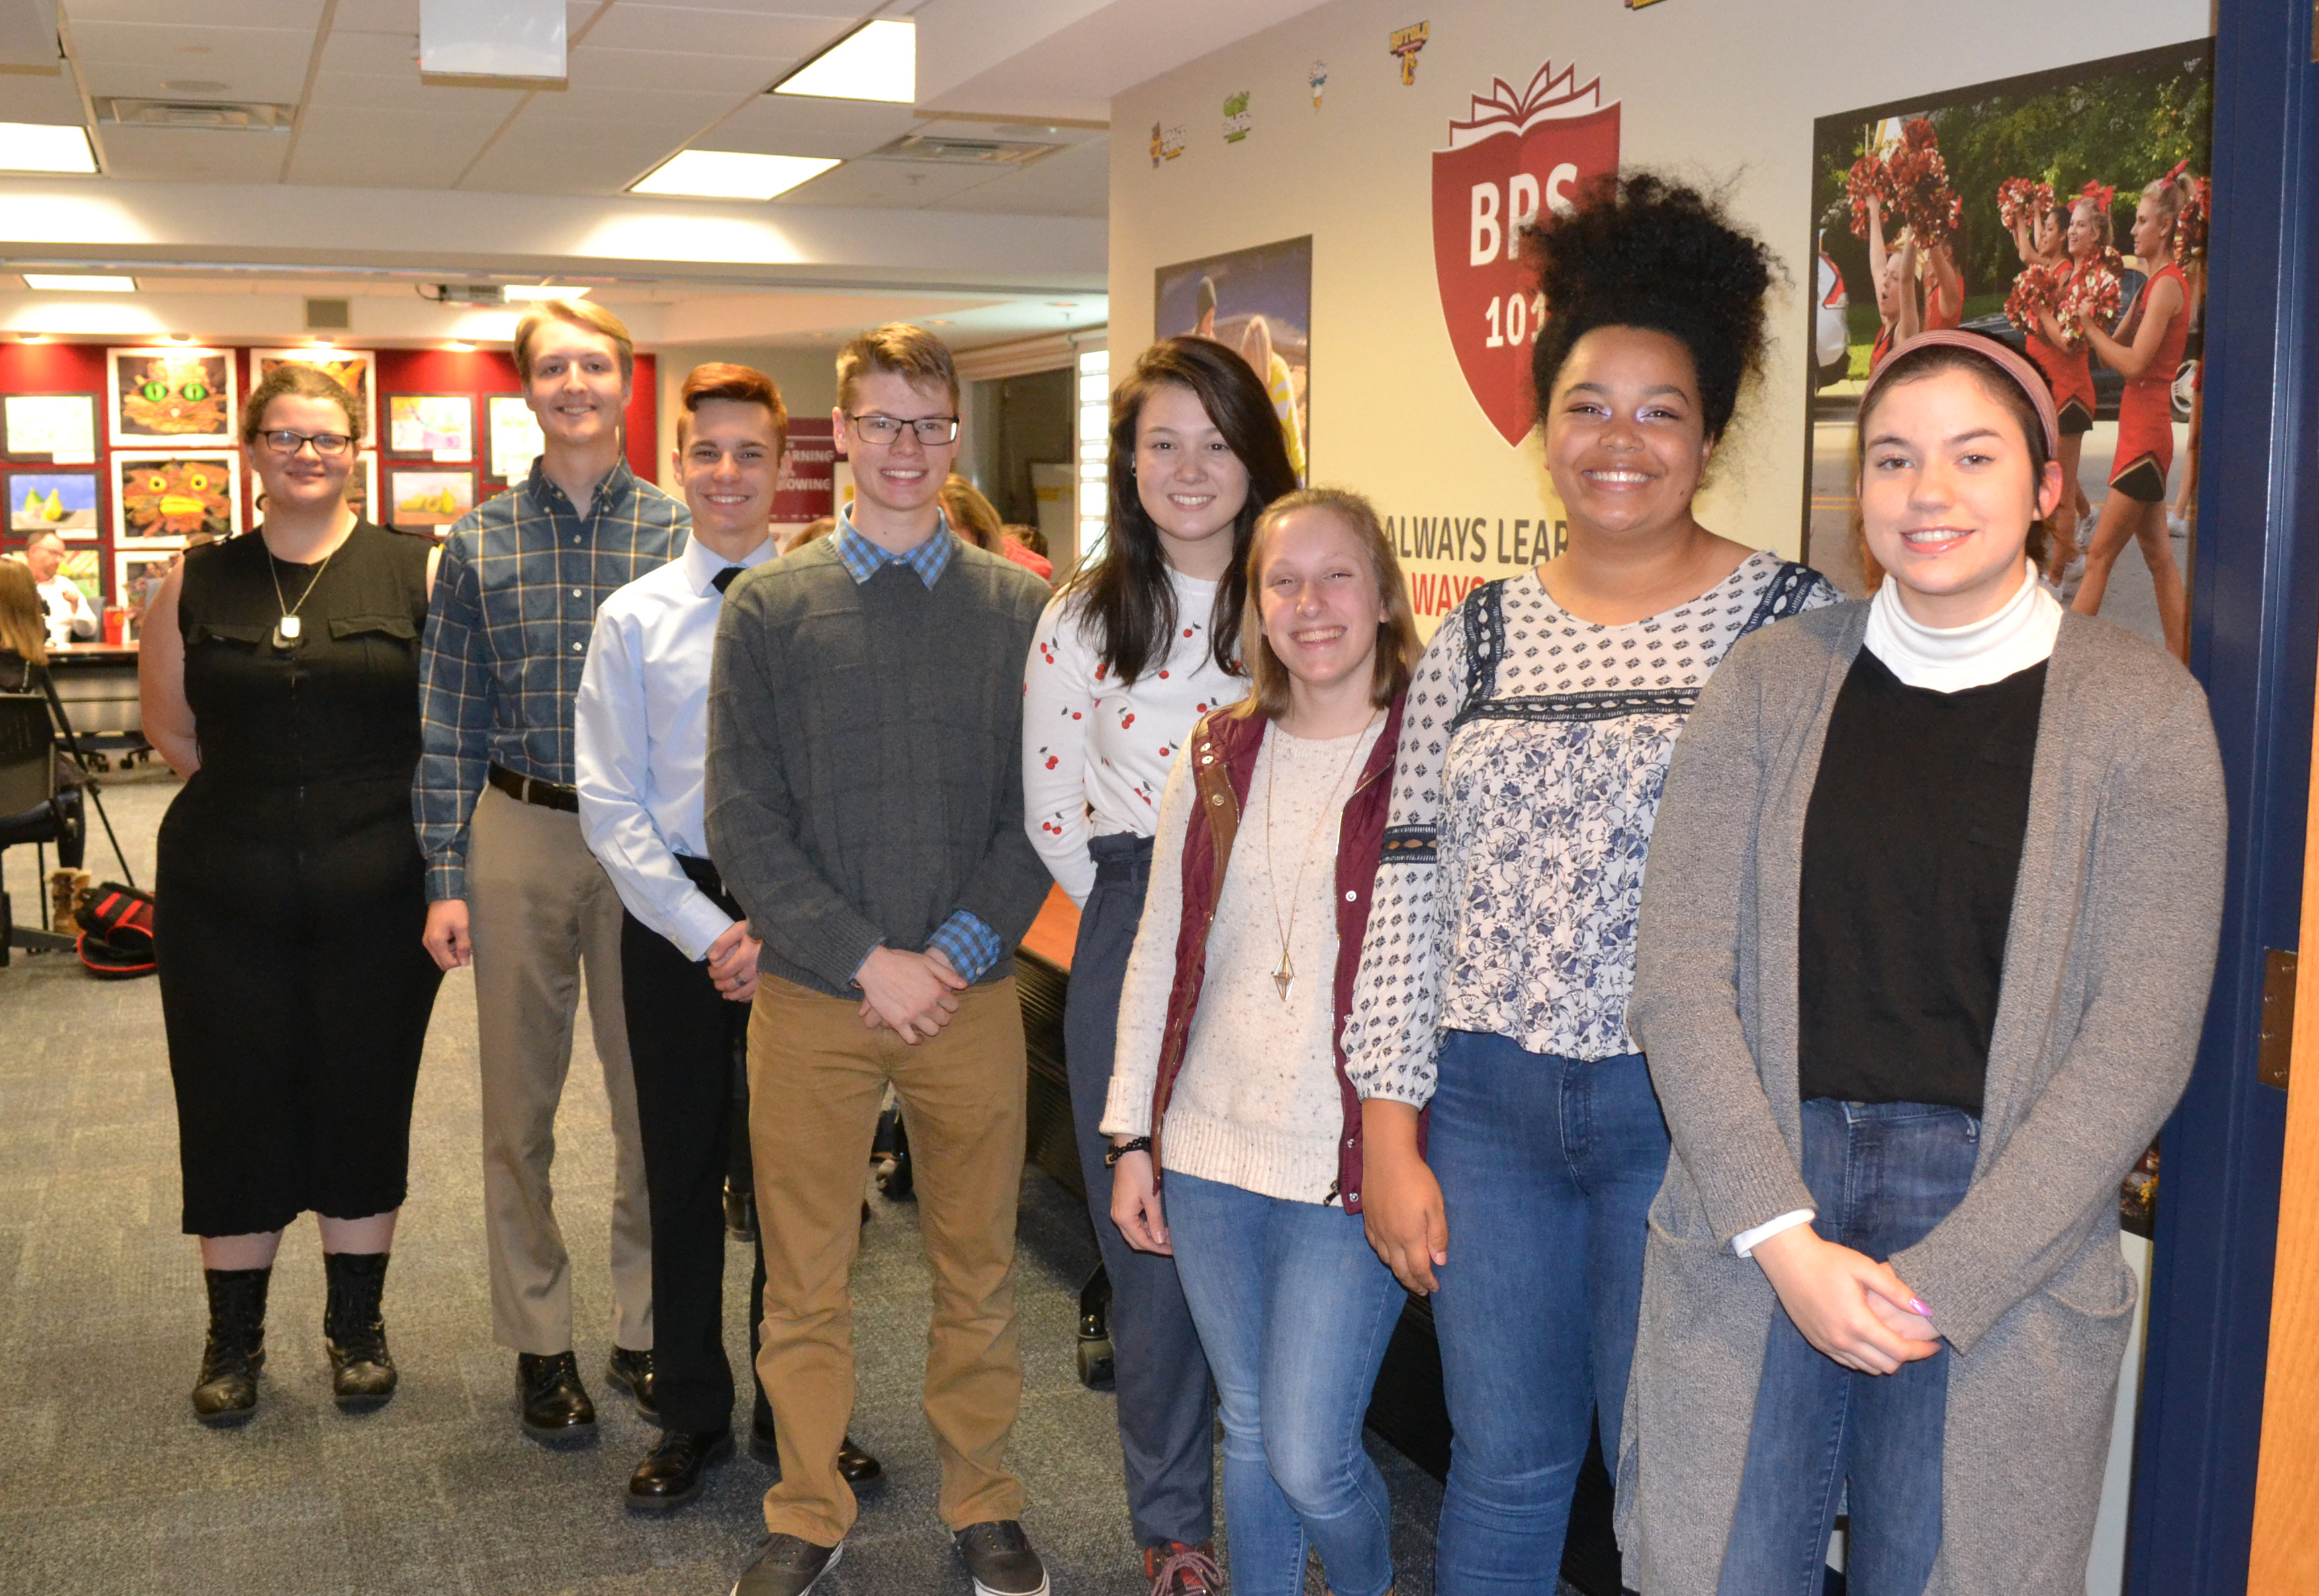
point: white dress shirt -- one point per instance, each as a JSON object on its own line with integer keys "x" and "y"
{"x": 68, "y": 613}
{"x": 642, "y": 741}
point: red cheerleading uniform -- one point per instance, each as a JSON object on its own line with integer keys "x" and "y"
{"x": 1939, "y": 313}
{"x": 2070, "y": 374}
{"x": 2145, "y": 414}
{"x": 1879, "y": 351}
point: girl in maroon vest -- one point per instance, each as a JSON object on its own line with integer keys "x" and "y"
{"x": 1227, "y": 1043}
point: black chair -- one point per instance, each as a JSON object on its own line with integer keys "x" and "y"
{"x": 31, "y": 810}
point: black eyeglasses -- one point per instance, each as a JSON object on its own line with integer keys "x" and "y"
{"x": 327, "y": 445}
{"x": 932, "y": 430}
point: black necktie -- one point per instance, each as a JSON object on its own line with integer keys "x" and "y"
{"x": 724, "y": 578}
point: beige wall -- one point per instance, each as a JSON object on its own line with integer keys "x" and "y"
{"x": 1721, "y": 92}
{"x": 807, "y": 378}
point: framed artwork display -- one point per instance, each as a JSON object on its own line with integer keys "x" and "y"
{"x": 352, "y": 368}
{"x": 160, "y": 497}
{"x": 516, "y": 439}
{"x": 173, "y": 397}
{"x": 136, "y": 576}
{"x": 60, "y": 502}
{"x": 428, "y": 498}
{"x": 441, "y": 425}
{"x": 62, "y": 427}
{"x": 84, "y": 568}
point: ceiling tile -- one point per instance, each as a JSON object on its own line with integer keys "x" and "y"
{"x": 301, "y": 14}
{"x": 375, "y": 16}
{"x": 645, "y": 70}
{"x": 901, "y": 185}
{"x": 841, "y": 11}
{"x": 710, "y": 33}
{"x": 786, "y": 124}
{"x": 182, "y": 155}
{"x": 432, "y": 157}
{"x": 1075, "y": 182}
{"x": 49, "y": 101}
{"x": 136, "y": 58}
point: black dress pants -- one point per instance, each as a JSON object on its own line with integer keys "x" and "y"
{"x": 684, "y": 1035}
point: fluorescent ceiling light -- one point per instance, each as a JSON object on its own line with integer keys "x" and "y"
{"x": 38, "y": 147}
{"x": 727, "y": 174}
{"x": 72, "y": 283}
{"x": 877, "y": 61}
{"x": 533, "y": 291}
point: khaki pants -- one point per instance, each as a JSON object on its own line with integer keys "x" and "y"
{"x": 539, "y": 908}
{"x": 816, "y": 1077}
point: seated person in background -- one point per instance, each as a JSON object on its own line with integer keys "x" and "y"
{"x": 68, "y": 614}
{"x": 24, "y": 669}
{"x": 975, "y": 519}
{"x": 688, "y": 961}
{"x": 797, "y": 537}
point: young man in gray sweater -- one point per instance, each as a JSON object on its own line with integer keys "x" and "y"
{"x": 865, "y": 807}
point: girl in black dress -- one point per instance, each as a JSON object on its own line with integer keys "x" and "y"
{"x": 279, "y": 676}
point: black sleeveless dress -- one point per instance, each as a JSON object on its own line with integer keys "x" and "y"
{"x": 289, "y": 894}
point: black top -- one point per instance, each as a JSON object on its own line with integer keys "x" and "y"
{"x": 1912, "y": 843}
{"x": 342, "y": 700}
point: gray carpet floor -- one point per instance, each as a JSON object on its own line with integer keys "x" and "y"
{"x": 111, "y": 1485}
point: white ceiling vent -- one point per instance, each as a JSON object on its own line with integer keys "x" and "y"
{"x": 203, "y": 114}
{"x": 329, "y": 315}
{"x": 951, "y": 150}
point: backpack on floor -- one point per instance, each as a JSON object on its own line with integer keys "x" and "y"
{"x": 116, "y": 932}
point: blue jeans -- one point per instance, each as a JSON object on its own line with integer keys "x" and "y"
{"x": 1881, "y": 1174}
{"x": 1547, "y": 1166}
{"x": 1295, "y": 1312}
{"x": 1167, "y": 1417}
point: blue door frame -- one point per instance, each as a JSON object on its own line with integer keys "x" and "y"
{"x": 2254, "y": 637}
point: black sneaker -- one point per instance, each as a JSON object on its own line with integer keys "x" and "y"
{"x": 787, "y": 1566}
{"x": 998, "y": 1555}
{"x": 632, "y": 1372}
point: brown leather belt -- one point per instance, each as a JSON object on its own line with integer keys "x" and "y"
{"x": 531, "y": 789}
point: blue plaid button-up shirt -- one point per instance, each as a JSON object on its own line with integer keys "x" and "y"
{"x": 508, "y": 626}
{"x": 965, "y": 939}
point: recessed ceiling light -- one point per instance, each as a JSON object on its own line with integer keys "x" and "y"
{"x": 78, "y": 283}
{"x": 181, "y": 338}
{"x": 38, "y": 147}
{"x": 32, "y": 338}
{"x": 877, "y": 61}
{"x": 728, "y": 175}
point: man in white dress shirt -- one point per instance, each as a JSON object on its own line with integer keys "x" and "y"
{"x": 688, "y": 962}
{"x": 62, "y": 607}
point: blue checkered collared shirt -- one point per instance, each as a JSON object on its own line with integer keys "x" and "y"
{"x": 514, "y": 605}
{"x": 965, "y": 939}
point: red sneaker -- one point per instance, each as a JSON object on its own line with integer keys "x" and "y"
{"x": 1178, "y": 1570}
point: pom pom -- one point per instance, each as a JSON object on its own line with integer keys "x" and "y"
{"x": 2092, "y": 297}
{"x": 2037, "y": 288}
{"x": 2190, "y": 226}
{"x": 1920, "y": 180}
{"x": 1866, "y": 178}
{"x": 2020, "y": 200}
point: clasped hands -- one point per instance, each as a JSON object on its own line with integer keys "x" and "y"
{"x": 912, "y": 995}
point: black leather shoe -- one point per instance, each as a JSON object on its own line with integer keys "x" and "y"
{"x": 353, "y": 1329}
{"x": 858, "y": 1467}
{"x": 632, "y": 1372}
{"x": 555, "y": 1405}
{"x": 673, "y": 1472}
{"x": 999, "y": 1557}
{"x": 787, "y": 1566}
{"x": 740, "y": 1210}
{"x": 225, "y": 1392}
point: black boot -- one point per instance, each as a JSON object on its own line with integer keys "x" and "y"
{"x": 353, "y": 1329}
{"x": 227, "y": 1390}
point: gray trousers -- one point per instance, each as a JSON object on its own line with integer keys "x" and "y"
{"x": 1166, "y": 1407}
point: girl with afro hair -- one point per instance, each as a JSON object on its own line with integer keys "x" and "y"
{"x": 1500, "y": 942}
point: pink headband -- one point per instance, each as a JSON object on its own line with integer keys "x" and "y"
{"x": 1998, "y": 354}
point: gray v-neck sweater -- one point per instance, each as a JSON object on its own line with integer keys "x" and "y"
{"x": 864, "y": 778}
{"x": 2107, "y": 961}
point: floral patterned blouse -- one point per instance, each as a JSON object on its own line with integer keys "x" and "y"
{"x": 1531, "y": 763}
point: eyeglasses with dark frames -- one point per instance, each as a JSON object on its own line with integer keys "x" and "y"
{"x": 327, "y": 445}
{"x": 932, "y": 430}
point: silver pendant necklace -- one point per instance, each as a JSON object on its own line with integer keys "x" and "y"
{"x": 288, "y": 629}
{"x": 1284, "y": 978}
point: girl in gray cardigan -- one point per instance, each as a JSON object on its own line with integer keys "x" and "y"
{"x": 1923, "y": 956}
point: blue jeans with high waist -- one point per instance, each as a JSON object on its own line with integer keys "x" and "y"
{"x": 1881, "y": 1175}
{"x": 1294, "y": 1310}
{"x": 1547, "y": 1165}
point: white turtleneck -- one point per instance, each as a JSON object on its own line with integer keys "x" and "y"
{"x": 1950, "y": 659}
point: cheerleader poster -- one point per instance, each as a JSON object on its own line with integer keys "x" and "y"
{"x": 1258, "y": 301}
{"x": 2064, "y": 213}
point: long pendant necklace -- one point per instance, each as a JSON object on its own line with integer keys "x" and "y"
{"x": 1283, "y": 978}
{"x": 287, "y": 629}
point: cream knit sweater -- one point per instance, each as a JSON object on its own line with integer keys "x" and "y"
{"x": 1256, "y": 1104}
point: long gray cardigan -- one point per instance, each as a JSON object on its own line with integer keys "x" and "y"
{"x": 2108, "y": 960}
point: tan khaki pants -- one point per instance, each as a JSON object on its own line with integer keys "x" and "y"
{"x": 540, "y": 908}
{"x": 816, "y": 1077}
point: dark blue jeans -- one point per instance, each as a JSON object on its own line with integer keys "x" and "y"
{"x": 1294, "y": 1310}
{"x": 1166, "y": 1410}
{"x": 1547, "y": 1166}
{"x": 1881, "y": 1174}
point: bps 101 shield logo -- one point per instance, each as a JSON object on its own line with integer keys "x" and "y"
{"x": 1519, "y": 150}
